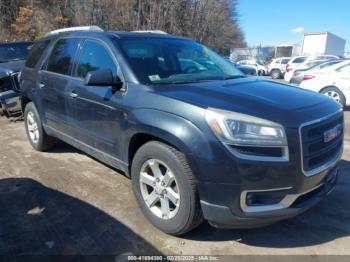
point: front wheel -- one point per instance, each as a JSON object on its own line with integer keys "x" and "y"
{"x": 276, "y": 74}
{"x": 334, "y": 93}
{"x": 165, "y": 188}
{"x": 37, "y": 136}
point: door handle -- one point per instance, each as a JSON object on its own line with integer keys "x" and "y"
{"x": 73, "y": 95}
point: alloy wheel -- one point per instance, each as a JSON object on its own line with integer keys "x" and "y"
{"x": 159, "y": 189}
{"x": 32, "y": 126}
{"x": 334, "y": 95}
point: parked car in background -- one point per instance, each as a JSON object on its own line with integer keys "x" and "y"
{"x": 277, "y": 67}
{"x": 14, "y": 51}
{"x": 10, "y": 103}
{"x": 306, "y": 63}
{"x": 246, "y": 70}
{"x": 320, "y": 58}
{"x": 292, "y": 64}
{"x": 333, "y": 81}
{"x": 259, "y": 67}
{"x": 299, "y": 74}
{"x": 209, "y": 143}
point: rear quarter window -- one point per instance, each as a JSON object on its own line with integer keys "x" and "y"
{"x": 36, "y": 52}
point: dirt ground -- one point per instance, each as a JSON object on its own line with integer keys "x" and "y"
{"x": 65, "y": 202}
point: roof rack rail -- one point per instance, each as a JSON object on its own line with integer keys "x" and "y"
{"x": 76, "y": 28}
{"x": 150, "y": 31}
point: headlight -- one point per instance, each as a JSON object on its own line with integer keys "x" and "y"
{"x": 244, "y": 130}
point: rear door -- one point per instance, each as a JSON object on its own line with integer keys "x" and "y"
{"x": 53, "y": 84}
{"x": 98, "y": 112}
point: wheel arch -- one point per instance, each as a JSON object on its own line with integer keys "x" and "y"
{"x": 329, "y": 86}
{"x": 172, "y": 130}
{"x": 24, "y": 101}
{"x": 334, "y": 86}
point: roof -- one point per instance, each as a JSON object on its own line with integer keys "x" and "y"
{"x": 119, "y": 35}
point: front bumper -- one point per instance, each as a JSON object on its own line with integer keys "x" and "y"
{"x": 234, "y": 216}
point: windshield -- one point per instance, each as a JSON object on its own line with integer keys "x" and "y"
{"x": 11, "y": 52}
{"x": 172, "y": 61}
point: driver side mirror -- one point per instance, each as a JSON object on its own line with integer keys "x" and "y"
{"x": 103, "y": 77}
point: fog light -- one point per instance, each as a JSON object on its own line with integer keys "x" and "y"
{"x": 265, "y": 197}
{"x": 250, "y": 199}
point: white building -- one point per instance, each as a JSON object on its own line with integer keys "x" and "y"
{"x": 323, "y": 43}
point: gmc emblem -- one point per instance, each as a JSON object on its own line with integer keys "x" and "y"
{"x": 331, "y": 134}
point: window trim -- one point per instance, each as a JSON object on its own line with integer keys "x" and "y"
{"x": 79, "y": 51}
{"x": 38, "y": 61}
{"x": 44, "y": 64}
{"x": 120, "y": 73}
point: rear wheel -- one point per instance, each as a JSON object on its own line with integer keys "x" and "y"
{"x": 165, "y": 188}
{"x": 334, "y": 93}
{"x": 276, "y": 74}
{"x": 36, "y": 134}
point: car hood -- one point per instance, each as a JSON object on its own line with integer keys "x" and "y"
{"x": 263, "y": 98}
{"x": 15, "y": 66}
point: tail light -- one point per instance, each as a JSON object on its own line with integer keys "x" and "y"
{"x": 308, "y": 77}
{"x": 296, "y": 73}
{"x": 288, "y": 68}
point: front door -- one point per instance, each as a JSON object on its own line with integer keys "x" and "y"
{"x": 98, "y": 112}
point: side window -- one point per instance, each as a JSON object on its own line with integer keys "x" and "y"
{"x": 94, "y": 56}
{"x": 35, "y": 53}
{"x": 299, "y": 60}
{"x": 284, "y": 61}
{"x": 62, "y": 55}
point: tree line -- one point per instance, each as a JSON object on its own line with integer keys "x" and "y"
{"x": 211, "y": 22}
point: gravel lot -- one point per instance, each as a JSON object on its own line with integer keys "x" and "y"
{"x": 65, "y": 202}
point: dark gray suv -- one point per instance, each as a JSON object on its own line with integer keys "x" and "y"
{"x": 198, "y": 139}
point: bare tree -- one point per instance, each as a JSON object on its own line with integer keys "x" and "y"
{"x": 211, "y": 22}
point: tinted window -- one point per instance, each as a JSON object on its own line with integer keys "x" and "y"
{"x": 62, "y": 55}
{"x": 14, "y": 51}
{"x": 93, "y": 57}
{"x": 35, "y": 53}
{"x": 299, "y": 60}
{"x": 285, "y": 61}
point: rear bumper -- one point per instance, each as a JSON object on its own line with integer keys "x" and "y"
{"x": 234, "y": 217}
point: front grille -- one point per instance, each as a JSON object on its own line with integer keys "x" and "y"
{"x": 316, "y": 153}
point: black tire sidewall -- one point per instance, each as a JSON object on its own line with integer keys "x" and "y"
{"x": 30, "y": 107}
{"x": 154, "y": 150}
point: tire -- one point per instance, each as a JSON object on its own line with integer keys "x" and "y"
{"x": 276, "y": 74}
{"x": 335, "y": 94}
{"x": 37, "y": 136}
{"x": 260, "y": 73}
{"x": 187, "y": 214}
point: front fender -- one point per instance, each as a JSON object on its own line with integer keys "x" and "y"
{"x": 174, "y": 130}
